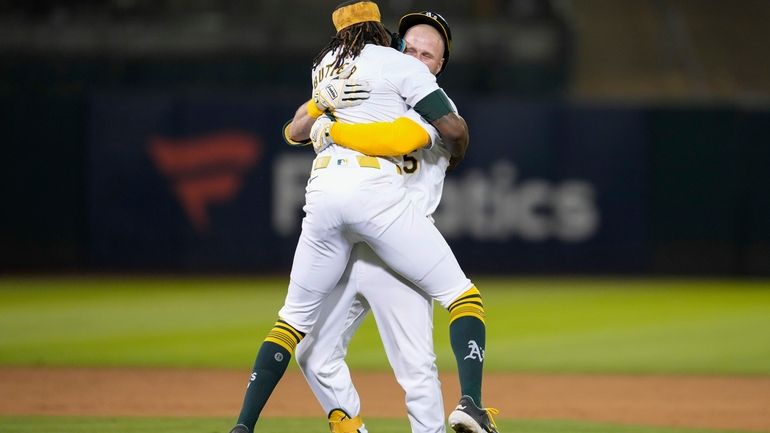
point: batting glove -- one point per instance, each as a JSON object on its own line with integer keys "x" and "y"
{"x": 339, "y": 91}
{"x": 320, "y": 135}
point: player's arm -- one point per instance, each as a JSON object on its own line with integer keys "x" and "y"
{"x": 439, "y": 112}
{"x": 404, "y": 135}
{"x": 460, "y": 128}
{"x": 399, "y": 137}
{"x": 297, "y": 131}
{"x": 395, "y": 138}
{"x": 333, "y": 93}
{"x": 419, "y": 89}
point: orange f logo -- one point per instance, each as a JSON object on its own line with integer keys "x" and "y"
{"x": 206, "y": 169}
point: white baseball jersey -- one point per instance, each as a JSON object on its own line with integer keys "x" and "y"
{"x": 425, "y": 170}
{"x": 404, "y": 314}
{"x": 398, "y": 82}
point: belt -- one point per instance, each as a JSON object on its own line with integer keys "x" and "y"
{"x": 363, "y": 161}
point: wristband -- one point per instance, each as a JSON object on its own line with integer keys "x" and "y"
{"x": 288, "y": 139}
{"x": 312, "y": 110}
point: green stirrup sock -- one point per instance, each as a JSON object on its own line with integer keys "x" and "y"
{"x": 272, "y": 359}
{"x": 269, "y": 367}
{"x": 468, "y": 337}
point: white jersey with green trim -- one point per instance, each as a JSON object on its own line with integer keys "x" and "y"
{"x": 397, "y": 82}
{"x": 350, "y": 199}
{"x": 425, "y": 169}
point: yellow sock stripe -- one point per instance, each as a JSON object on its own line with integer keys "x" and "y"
{"x": 280, "y": 343}
{"x": 281, "y": 340}
{"x": 472, "y": 311}
{"x": 471, "y": 294}
{"x": 279, "y": 335}
{"x": 285, "y": 336}
{"x": 467, "y": 303}
{"x": 350, "y": 425}
{"x": 452, "y": 319}
{"x": 282, "y": 334}
{"x": 298, "y": 335}
{"x": 467, "y": 306}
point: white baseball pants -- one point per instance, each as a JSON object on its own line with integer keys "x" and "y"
{"x": 404, "y": 319}
{"x": 347, "y": 200}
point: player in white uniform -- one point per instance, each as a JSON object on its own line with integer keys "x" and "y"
{"x": 403, "y": 313}
{"x": 353, "y": 198}
{"x": 404, "y": 319}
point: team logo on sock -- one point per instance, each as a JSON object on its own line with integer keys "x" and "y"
{"x": 251, "y": 379}
{"x": 278, "y": 356}
{"x": 476, "y": 351}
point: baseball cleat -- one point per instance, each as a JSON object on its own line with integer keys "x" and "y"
{"x": 239, "y": 428}
{"x": 341, "y": 422}
{"x": 469, "y": 418}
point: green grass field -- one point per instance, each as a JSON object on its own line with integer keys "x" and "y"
{"x": 633, "y": 326}
{"x": 602, "y": 325}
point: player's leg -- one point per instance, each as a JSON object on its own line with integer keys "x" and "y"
{"x": 321, "y": 360}
{"x": 404, "y": 319}
{"x": 319, "y": 260}
{"x": 467, "y": 333}
{"x": 321, "y": 354}
{"x": 338, "y": 194}
{"x": 413, "y": 247}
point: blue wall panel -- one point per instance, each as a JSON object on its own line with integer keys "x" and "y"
{"x": 544, "y": 187}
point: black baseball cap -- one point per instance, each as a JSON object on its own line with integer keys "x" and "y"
{"x": 432, "y": 19}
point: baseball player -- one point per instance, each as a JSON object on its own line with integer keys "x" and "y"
{"x": 402, "y": 312}
{"x": 352, "y": 198}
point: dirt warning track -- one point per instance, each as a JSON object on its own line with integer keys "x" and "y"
{"x": 686, "y": 401}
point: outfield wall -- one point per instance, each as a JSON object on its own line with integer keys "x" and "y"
{"x": 174, "y": 180}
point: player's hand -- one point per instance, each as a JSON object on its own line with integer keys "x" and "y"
{"x": 319, "y": 133}
{"x": 339, "y": 91}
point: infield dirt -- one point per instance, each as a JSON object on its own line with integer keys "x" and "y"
{"x": 685, "y": 401}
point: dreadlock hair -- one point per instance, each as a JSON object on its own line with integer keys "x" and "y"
{"x": 351, "y": 40}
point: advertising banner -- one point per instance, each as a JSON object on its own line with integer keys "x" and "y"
{"x": 205, "y": 182}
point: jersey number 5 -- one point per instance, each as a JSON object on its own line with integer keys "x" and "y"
{"x": 410, "y": 164}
